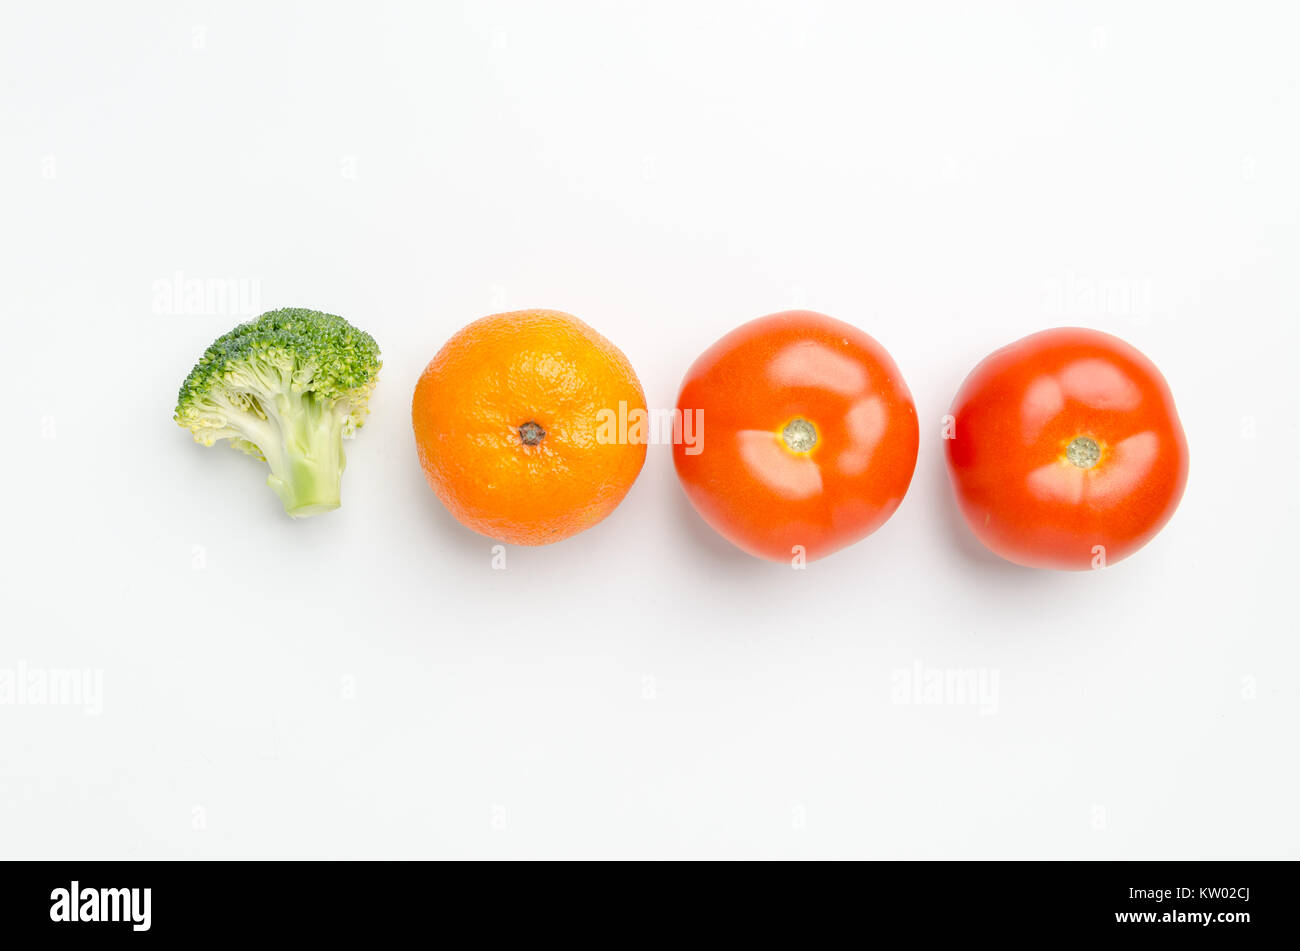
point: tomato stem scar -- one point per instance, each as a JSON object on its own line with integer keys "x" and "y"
{"x": 1083, "y": 452}
{"x": 799, "y": 435}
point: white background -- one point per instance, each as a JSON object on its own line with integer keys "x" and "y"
{"x": 949, "y": 177}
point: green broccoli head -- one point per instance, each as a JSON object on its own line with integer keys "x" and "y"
{"x": 288, "y": 387}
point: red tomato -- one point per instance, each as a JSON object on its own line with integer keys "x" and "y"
{"x": 1065, "y": 450}
{"x": 809, "y": 436}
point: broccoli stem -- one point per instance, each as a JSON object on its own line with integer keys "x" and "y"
{"x": 307, "y": 465}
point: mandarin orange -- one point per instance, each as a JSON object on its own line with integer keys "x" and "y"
{"x": 512, "y": 424}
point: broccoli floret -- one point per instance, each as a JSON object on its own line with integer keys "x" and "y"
{"x": 288, "y": 388}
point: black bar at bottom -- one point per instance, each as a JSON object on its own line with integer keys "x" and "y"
{"x": 96, "y": 902}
